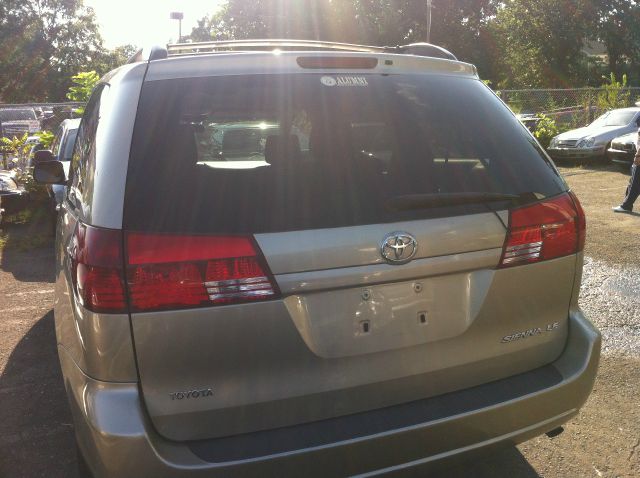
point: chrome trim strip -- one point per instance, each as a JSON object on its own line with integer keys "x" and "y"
{"x": 508, "y": 260}
{"x": 524, "y": 246}
{"x": 222, "y": 283}
{"x": 239, "y": 295}
{"x": 357, "y": 276}
{"x": 248, "y": 287}
{"x": 552, "y": 226}
{"x": 527, "y": 252}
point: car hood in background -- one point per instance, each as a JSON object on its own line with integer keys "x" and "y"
{"x": 600, "y": 133}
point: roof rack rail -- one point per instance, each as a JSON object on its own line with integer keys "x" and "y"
{"x": 418, "y": 49}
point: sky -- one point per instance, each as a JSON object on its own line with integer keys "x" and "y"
{"x": 146, "y": 22}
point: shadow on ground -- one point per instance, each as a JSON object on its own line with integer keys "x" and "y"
{"x": 574, "y": 168}
{"x": 36, "y": 434}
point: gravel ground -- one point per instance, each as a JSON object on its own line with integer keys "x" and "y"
{"x": 36, "y": 435}
{"x": 610, "y": 297}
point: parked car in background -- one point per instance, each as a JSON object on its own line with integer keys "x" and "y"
{"x": 530, "y": 120}
{"x": 13, "y": 197}
{"x": 61, "y": 150}
{"x": 58, "y": 114}
{"x": 623, "y": 149}
{"x": 18, "y": 121}
{"x": 386, "y": 277}
{"x": 592, "y": 142}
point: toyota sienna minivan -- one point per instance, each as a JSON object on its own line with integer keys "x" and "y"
{"x": 381, "y": 275}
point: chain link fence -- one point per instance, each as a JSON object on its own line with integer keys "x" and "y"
{"x": 570, "y": 108}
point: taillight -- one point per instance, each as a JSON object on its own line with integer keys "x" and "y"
{"x": 175, "y": 271}
{"x": 544, "y": 230}
{"x": 97, "y": 263}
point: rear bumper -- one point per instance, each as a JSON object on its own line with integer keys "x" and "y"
{"x": 118, "y": 440}
{"x": 597, "y": 152}
{"x": 620, "y": 156}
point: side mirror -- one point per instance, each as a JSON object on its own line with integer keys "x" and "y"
{"x": 43, "y": 155}
{"x": 49, "y": 172}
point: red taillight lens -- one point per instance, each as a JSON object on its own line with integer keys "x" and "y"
{"x": 98, "y": 278}
{"x": 172, "y": 271}
{"x": 545, "y": 230}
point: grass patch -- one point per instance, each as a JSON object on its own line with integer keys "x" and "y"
{"x": 28, "y": 229}
{"x": 26, "y": 244}
{"x": 32, "y": 213}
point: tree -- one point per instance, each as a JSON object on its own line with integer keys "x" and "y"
{"x": 459, "y": 25}
{"x": 540, "y": 43}
{"x": 242, "y": 19}
{"x": 616, "y": 27}
{"x": 83, "y": 84}
{"x": 111, "y": 59}
{"x": 614, "y": 94}
{"x": 44, "y": 42}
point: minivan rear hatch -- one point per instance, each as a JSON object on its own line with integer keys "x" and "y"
{"x": 304, "y": 246}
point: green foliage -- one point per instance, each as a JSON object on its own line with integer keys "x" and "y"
{"x": 545, "y": 130}
{"x": 540, "y": 43}
{"x": 17, "y": 151}
{"x": 109, "y": 60}
{"x": 43, "y": 43}
{"x": 514, "y": 43}
{"x": 617, "y": 28}
{"x": 14, "y": 149}
{"x": 614, "y": 94}
{"x": 459, "y": 25}
{"x": 83, "y": 84}
{"x": 46, "y": 138}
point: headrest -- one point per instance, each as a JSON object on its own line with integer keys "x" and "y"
{"x": 282, "y": 148}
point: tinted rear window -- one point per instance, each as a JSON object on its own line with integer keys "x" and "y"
{"x": 268, "y": 153}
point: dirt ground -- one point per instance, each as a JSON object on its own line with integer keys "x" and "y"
{"x": 614, "y": 238}
{"x": 36, "y": 434}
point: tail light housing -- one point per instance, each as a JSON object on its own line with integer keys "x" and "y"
{"x": 162, "y": 271}
{"x": 176, "y": 271}
{"x": 97, "y": 269}
{"x": 545, "y": 230}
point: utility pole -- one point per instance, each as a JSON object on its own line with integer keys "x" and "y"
{"x": 178, "y": 16}
{"x": 429, "y": 7}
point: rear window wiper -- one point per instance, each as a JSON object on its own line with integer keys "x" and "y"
{"x": 424, "y": 201}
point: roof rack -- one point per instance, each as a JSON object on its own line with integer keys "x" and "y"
{"x": 418, "y": 49}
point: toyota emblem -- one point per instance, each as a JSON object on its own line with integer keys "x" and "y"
{"x": 399, "y": 247}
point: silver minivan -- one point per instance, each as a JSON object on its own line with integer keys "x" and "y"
{"x": 386, "y": 278}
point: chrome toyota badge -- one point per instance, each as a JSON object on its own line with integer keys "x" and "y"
{"x": 398, "y": 247}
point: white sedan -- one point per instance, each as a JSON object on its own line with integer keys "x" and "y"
{"x": 591, "y": 142}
